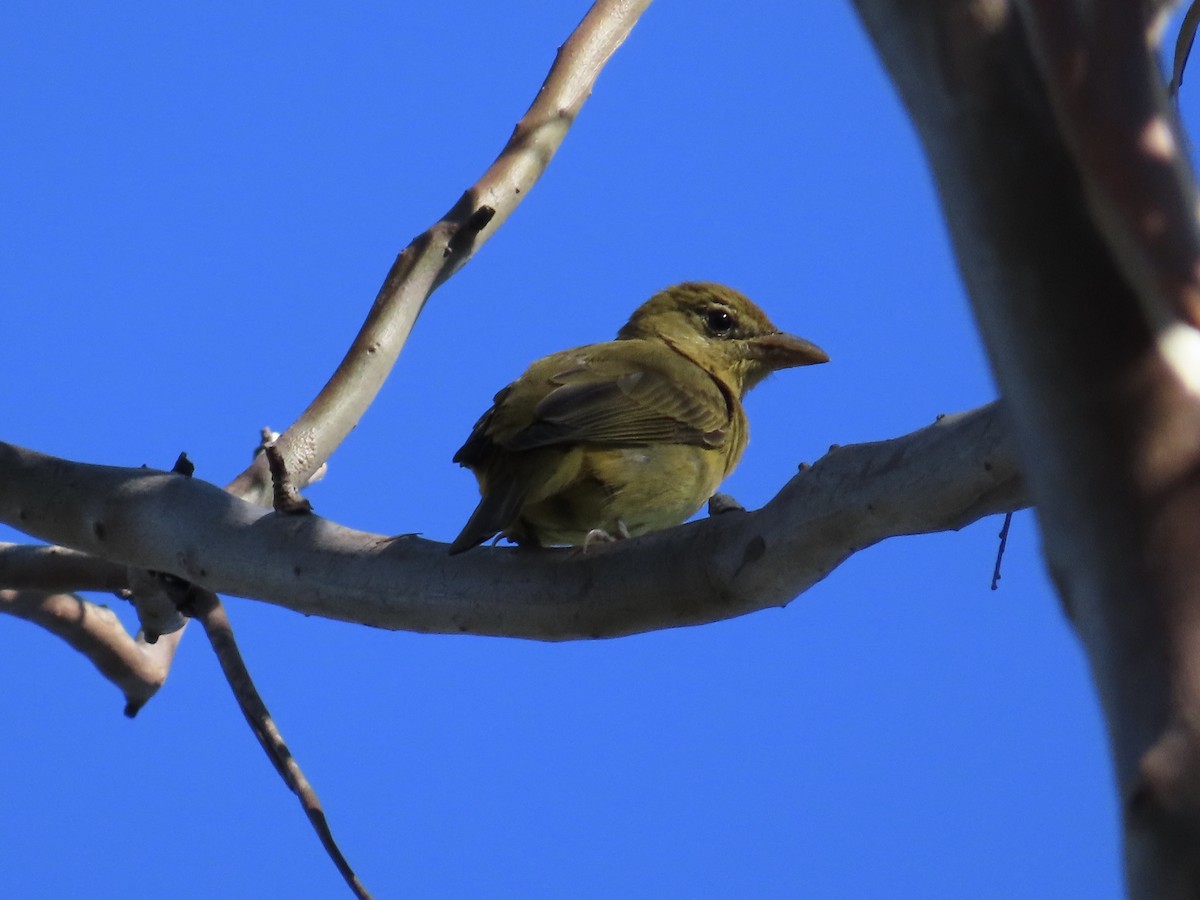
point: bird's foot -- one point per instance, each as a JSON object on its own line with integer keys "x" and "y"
{"x": 604, "y": 537}
{"x": 596, "y": 535}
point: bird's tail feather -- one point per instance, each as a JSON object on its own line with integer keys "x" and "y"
{"x": 496, "y": 512}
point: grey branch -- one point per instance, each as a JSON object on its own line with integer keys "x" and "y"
{"x": 136, "y": 667}
{"x": 944, "y": 476}
{"x": 210, "y": 612}
{"x": 57, "y": 569}
{"x": 429, "y": 260}
{"x": 446, "y": 246}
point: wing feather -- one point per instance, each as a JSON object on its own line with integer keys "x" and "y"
{"x": 623, "y": 401}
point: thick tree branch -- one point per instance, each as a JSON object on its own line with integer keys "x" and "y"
{"x": 941, "y": 477}
{"x": 1074, "y": 286}
{"x": 1115, "y": 116}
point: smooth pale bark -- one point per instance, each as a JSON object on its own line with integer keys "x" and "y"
{"x": 941, "y": 477}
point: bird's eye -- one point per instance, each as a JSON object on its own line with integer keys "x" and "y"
{"x": 719, "y": 321}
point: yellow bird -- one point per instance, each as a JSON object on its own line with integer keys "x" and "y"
{"x": 628, "y": 436}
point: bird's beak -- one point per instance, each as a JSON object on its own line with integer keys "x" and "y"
{"x": 784, "y": 351}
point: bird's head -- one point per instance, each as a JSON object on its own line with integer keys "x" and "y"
{"x": 721, "y": 330}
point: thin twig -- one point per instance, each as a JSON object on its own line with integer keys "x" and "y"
{"x": 207, "y": 608}
{"x": 1000, "y": 550}
{"x": 1183, "y": 46}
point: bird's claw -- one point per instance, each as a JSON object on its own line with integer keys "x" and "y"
{"x": 596, "y": 534}
{"x": 605, "y": 537}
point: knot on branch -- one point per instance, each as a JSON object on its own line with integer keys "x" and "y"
{"x": 464, "y": 236}
{"x": 286, "y": 498}
{"x": 157, "y": 597}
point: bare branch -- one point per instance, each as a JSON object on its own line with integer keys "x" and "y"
{"x": 137, "y": 668}
{"x": 58, "y": 570}
{"x": 943, "y": 476}
{"x": 1000, "y": 550}
{"x": 1183, "y": 47}
{"x": 427, "y": 262}
{"x": 446, "y": 247}
{"x": 206, "y": 607}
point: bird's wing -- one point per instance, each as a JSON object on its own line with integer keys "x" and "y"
{"x": 604, "y": 399}
{"x": 479, "y": 444}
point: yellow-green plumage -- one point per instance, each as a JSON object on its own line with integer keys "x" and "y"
{"x": 627, "y": 436}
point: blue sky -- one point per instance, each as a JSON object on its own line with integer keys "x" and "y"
{"x": 197, "y": 206}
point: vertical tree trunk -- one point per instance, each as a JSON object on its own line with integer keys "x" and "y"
{"x": 1107, "y": 426}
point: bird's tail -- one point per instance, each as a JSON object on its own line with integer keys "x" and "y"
{"x": 496, "y": 512}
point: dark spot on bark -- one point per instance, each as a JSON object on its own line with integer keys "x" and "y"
{"x": 98, "y": 530}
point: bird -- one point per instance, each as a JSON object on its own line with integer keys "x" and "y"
{"x": 629, "y": 436}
